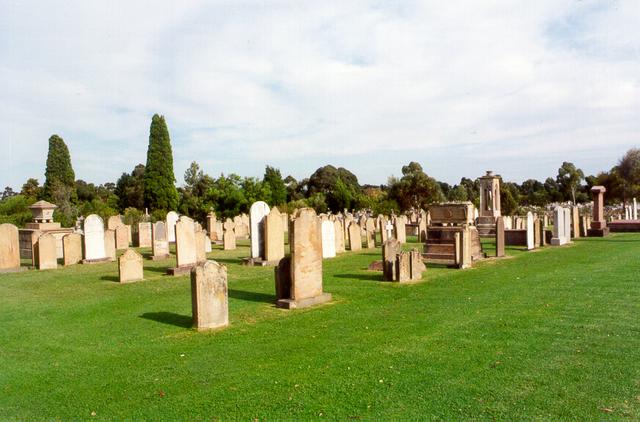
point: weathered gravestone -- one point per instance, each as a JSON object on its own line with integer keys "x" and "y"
{"x": 229, "y": 236}
{"x": 575, "y": 222}
{"x": 130, "y": 267}
{"x": 72, "y": 249}
{"x": 201, "y": 245}
{"x": 500, "y": 237}
{"x": 559, "y": 236}
{"x": 390, "y": 249}
{"x": 382, "y": 227}
{"x": 144, "y": 235}
{"x": 530, "y": 232}
{"x": 172, "y": 219}
{"x": 9, "y": 248}
{"x": 186, "y": 254}
{"x": 114, "y": 222}
{"x": 122, "y": 237}
{"x": 211, "y": 226}
{"x": 409, "y": 266}
{"x": 328, "y": 239}
{"x": 537, "y": 233}
{"x": 259, "y": 210}
{"x": 370, "y": 233}
{"x": 94, "y": 240}
{"x": 209, "y": 296}
{"x": 46, "y": 256}
{"x": 338, "y": 236}
{"x": 299, "y": 278}
{"x": 159, "y": 241}
{"x": 400, "y": 228}
{"x": 355, "y": 238}
{"x": 273, "y": 231}
{"x": 110, "y": 244}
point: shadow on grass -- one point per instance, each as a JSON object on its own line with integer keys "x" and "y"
{"x": 162, "y": 270}
{"x": 169, "y": 318}
{"x": 110, "y": 278}
{"x": 369, "y": 277}
{"x": 228, "y": 260}
{"x": 251, "y": 296}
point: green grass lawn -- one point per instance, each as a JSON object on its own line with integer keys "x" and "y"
{"x": 550, "y": 334}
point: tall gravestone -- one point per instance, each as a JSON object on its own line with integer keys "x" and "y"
{"x": 530, "y": 232}
{"x": 93, "y": 229}
{"x": 500, "y": 237}
{"x": 72, "y": 249}
{"x": 399, "y": 227}
{"x": 201, "y": 245}
{"x": 186, "y": 254}
{"x": 559, "y": 235}
{"x": 130, "y": 267}
{"x": 370, "y": 233}
{"x": 172, "y": 219}
{"x": 9, "y": 248}
{"x": 110, "y": 244}
{"x": 46, "y": 256}
{"x": 338, "y": 236}
{"x": 273, "y": 236}
{"x": 209, "y": 296}
{"x": 211, "y": 226}
{"x": 229, "y": 236}
{"x": 114, "y": 222}
{"x": 328, "y": 239}
{"x": 122, "y": 237}
{"x": 257, "y": 213}
{"x": 159, "y": 241}
{"x": 301, "y": 274}
{"x": 144, "y": 235}
{"x": 575, "y": 222}
{"x": 355, "y": 238}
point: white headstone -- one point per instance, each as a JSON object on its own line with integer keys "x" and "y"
{"x": 328, "y": 239}
{"x": 172, "y": 219}
{"x": 635, "y": 209}
{"x": 258, "y": 211}
{"x": 559, "y": 227}
{"x": 389, "y": 229}
{"x": 94, "y": 238}
{"x": 530, "y": 234}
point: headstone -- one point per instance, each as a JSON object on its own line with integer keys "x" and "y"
{"x": 567, "y": 223}
{"x": 382, "y": 227}
{"x": 537, "y": 233}
{"x": 530, "y": 232}
{"x": 598, "y": 225}
{"x": 9, "y": 248}
{"x": 201, "y": 245}
{"x": 93, "y": 230}
{"x": 211, "y": 226}
{"x": 584, "y": 227}
{"x": 338, "y": 236}
{"x": 635, "y": 209}
{"x": 575, "y": 222}
{"x": 390, "y": 249}
{"x": 400, "y": 228}
{"x": 273, "y": 236}
{"x": 172, "y": 219}
{"x": 355, "y": 240}
{"x": 328, "y": 239}
{"x": 417, "y": 265}
{"x": 159, "y": 241}
{"x": 209, "y": 296}
{"x": 114, "y": 222}
{"x": 370, "y": 233}
{"x": 305, "y": 281}
{"x": 229, "y": 236}
{"x": 72, "y": 249}
{"x": 258, "y": 211}
{"x": 403, "y": 267}
{"x": 122, "y": 237}
{"x": 130, "y": 267}
{"x": 185, "y": 236}
{"x": 207, "y": 245}
{"x": 46, "y": 257}
{"x": 500, "y": 237}
{"x": 559, "y": 235}
{"x": 110, "y": 244}
{"x": 144, "y": 235}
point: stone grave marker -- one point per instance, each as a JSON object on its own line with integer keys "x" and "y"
{"x": 46, "y": 256}
{"x": 110, "y": 244}
{"x": 328, "y": 239}
{"x": 209, "y": 296}
{"x": 229, "y": 236}
{"x": 355, "y": 239}
{"x": 122, "y": 237}
{"x": 130, "y": 267}
{"x": 94, "y": 239}
{"x": 9, "y": 248}
{"x": 258, "y": 211}
{"x": 172, "y": 219}
{"x": 390, "y": 249}
{"x": 500, "y": 237}
{"x": 370, "y": 233}
{"x": 338, "y": 236}
{"x": 72, "y": 249}
{"x": 530, "y": 232}
{"x": 144, "y": 235}
{"x": 186, "y": 254}
{"x": 273, "y": 232}
{"x": 114, "y": 222}
{"x": 159, "y": 241}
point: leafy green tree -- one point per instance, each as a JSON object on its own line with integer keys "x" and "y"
{"x": 534, "y": 193}
{"x": 569, "y": 180}
{"x": 8, "y": 192}
{"x": 458, "y": 193}
{"x": 415, "y": 189}
{"x": 473, "y": 190}
{"x": 273, "y": 179}
{"x": 325, "y": 178}
{"x": 59, "y": 171}
{"x": 14, "y": 210}
{"x": 159, "y": 180}
{"x": 553, "y": 190}
{"x": 341, "y": 197}
{"x": 628, "y": 170}
{"x": 130, "y": 189}
{"x": 31, "y": 189}
{"x": 509, "y": 198}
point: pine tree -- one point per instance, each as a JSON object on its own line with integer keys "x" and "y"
{"x": 160, "y": 192}
{"x": 273, "y": 179}
{"x": 59, "y": 171}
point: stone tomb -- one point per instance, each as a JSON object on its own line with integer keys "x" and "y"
{"x": 42, "y": 223}
{"x": 229, "y": 236}
{"x": 130, "y": 267}
{"x": 328, "y": 239}
{"x": 9, "y": 248}
{"x": 94, "y": 240}
{"x": 46, "y": 257}
{"x": 299, "y": 277}
{"x": 258, "y": 212}
{"x": 72, "y": 249}
{"x": 159, "y": 241}
{"x": 186, "y": 254}
{"x": 209, "y": 296}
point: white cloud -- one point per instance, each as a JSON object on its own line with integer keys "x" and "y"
{"x": 458, "y": 86}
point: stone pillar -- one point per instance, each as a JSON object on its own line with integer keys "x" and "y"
{"x": 598, "y": 224}
{"x": 500, "y": 237}
{"x": 489, "y": 196}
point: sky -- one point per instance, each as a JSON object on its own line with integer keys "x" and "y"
{"x": 461, "y": 87}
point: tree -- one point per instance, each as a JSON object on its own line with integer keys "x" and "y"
{"x": 273, "y": 179}
{"x": 8, "y": 192}
{"x": 415, "y": 189}
{"x": 31, "y": 189}
{"x": 569, "y": 180}
{"x": 59, "y": 171}
{"x": 130, "y": 189}
{"x": 629, "y": 171}
{"x": 324, "y": 179}
{"x": 159, "y": 180}
{"x": 458, "y": 193}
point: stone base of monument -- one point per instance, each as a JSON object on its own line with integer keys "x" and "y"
{"x": 97, "y": 261}
{"x": 180, "y": 271}
{"x": 259, "y": 262}
{"x": 159, "y": 257}
{"x": 303, "y": 303}
{"x": 598, "y": 232}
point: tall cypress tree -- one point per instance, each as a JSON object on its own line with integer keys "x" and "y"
{"x": 159, "y": 181}
{"x": 59, "y": 173}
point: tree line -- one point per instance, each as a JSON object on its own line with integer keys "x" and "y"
{"x": 152, "y": 186}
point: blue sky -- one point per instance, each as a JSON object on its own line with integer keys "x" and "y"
{"x": 458, "y": 86}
